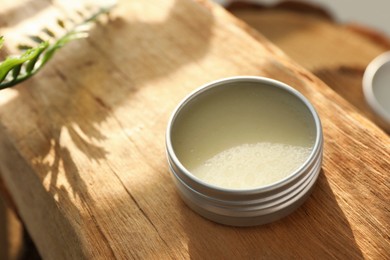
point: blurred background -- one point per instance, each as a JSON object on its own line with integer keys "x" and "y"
{"x": 370, "y": 13}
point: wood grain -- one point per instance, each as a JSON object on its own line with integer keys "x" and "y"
{"x": 83, "y": 154}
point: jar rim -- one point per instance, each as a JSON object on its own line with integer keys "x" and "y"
{"x": 371, "y": 98}
{"x": 256, "y": 79}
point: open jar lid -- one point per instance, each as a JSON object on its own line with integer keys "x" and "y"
{"x": 376, "y": 88}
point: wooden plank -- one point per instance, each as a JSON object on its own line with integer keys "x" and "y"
{"x": 82, "y": 146}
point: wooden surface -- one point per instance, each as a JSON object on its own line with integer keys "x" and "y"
{"x": 336, "y": 53}
{"x": 11, "y": 232}
{"x": 82, "y": 144}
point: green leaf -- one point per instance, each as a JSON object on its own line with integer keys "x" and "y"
{"x": 61, "y": 23}
{"x": 11, "y": 62}
{"x": 36, "y": 39}
{"x": 80, "y": 13}
{"x": 16, "y": 71}
{"x": 31, "y": 63}
{"x": 1, "y": 41}
{"x": 34, "y": 58}
{"x": 48, "y": 32}
{"x": 24, "y": 47}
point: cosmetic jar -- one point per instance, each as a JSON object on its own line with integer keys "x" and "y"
{"x": 376, "y": 88}
{"x": 245, "y": 150}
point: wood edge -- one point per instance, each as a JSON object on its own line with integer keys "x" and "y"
{"x": 291, "y": 5}
{"x": 220, "y": 11}
{"x": 367, "y": 32}
{"x": 5, "y": 194}
{"x": 370, "y": 34}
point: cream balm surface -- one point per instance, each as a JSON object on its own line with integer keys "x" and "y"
{"x": 244, "y": 135}
{"x": 252, "y": 165}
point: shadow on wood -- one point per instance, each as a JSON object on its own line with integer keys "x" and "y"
{"x": 318, "y": 229}
{"x": 60, "y": 120}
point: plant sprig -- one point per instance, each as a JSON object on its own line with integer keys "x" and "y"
{"x": 14, "y": 70}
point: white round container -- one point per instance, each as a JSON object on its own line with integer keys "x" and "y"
{"x": 198, "y": 120}
{"x": 376, "y": 88}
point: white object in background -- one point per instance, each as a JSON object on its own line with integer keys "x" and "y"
{"x": 376, "y": 88}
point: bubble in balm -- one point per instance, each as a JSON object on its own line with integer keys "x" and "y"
{"x": 252, "y": 165}
{"x": 245, "y": 150}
